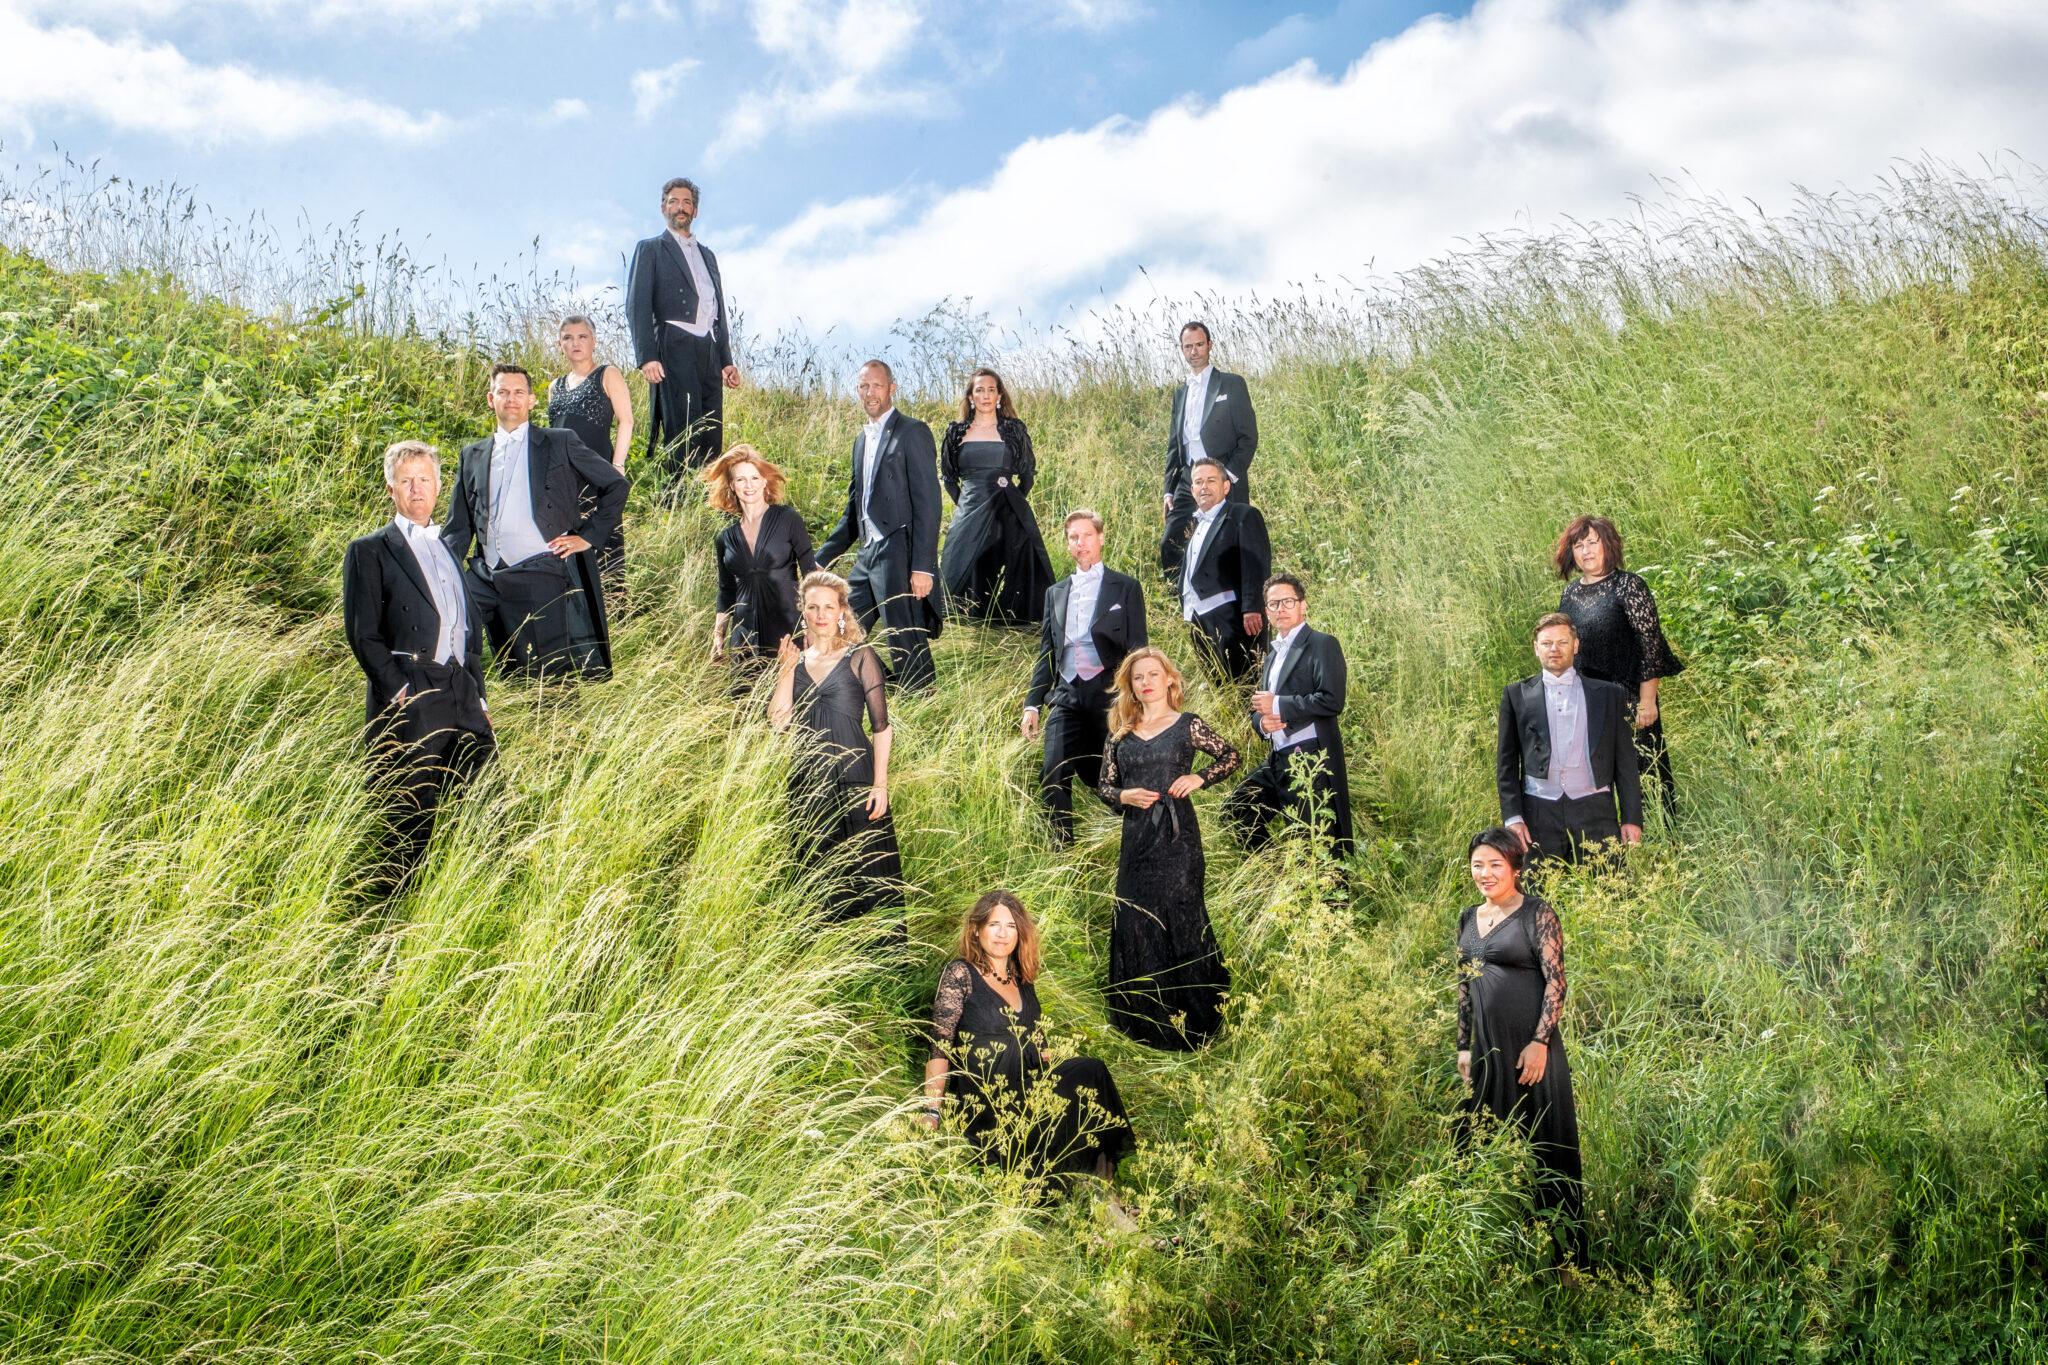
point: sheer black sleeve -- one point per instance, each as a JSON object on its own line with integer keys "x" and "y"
{"x": 1217, "y": 747}
{"x": 1024, "y": 458}
{"x": 1640, "y": 607}
{"x": 867, "y": 667}
{"x": 954, "y": 985}
{"x": 1464, "y": 988}
{"x": 1549, "y": 947}
{"x": 1111, "y": 787}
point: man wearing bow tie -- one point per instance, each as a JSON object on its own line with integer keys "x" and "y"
{"x": 1093, "y": 618}
{"x": 532, "y": 501}
{"x": 408, "y": 621}
{"x": 1297, "y": 707}
{"x": 1566, "y": 755}
{"x": 892, "y": 513}
{"x": 1228, "y": 557}
{"x": 1212, "y": 418}
{"x": 682, "y": 342}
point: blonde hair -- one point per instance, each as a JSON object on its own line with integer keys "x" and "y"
{"x": 718, "y": 478}
{"x": 849, "y": 624}
{"x": 398, "y": 452}
{"x": 1126, "y": 710}
{"x": 1025, "y": 959}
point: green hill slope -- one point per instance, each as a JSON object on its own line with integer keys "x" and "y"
{"x": 596, "y": 1090}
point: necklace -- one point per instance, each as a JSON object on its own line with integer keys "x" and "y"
{"x": 1002, "y": 979}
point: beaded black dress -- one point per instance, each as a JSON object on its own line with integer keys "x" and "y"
{"x": 1511, "y": 990}
{"x": 994, "y": 563}
{"x": 586, "y": 409}
{"x": 1020, "y": 1112}
{"x": 1167, "y": 978}
{"x": 1622, "y": 641}
{"x": 829, "y": 779}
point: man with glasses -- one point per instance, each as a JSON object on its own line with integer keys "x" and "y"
{"x": 1297, "y": 707}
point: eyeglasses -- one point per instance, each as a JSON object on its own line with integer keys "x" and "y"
{"x": 1283, "y": 601}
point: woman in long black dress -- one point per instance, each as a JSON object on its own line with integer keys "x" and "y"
{"x": 988, "y": 1059}
{"x": 1167, "y": 978}
{"x": 994, "y": 564}
{"x": 839, "y": 776}
{"x": 1511, "y": 990}
{"x": 588, "y": 400}
{"x": 1620, "y": 638}
{"x": 762, "y": 556}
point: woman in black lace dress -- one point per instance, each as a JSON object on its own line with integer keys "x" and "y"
{"x": 1511, "y": 991}
{"x": 1620, "y": 638}
{"x": 762, "y": 556}
{"x": 839, "y": 776}
{"x": 988, "y": 1059}
{"x": 1167, "y": 978}
{"x": 994, "y": 564}
{"x": 587, "y": 401}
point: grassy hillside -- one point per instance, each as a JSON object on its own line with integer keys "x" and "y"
{"x": 596, "y": 1090}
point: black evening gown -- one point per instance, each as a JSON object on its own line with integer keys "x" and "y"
{"x": 586, "y": 410}
{"x": 994, "y": 563}
{"x": 1019, "y": 1112}
{"x": 1621, "y": 641}
{"x": 758, "y": 586}
{"x": 829, "y": 778}
{"x": 1511, "y": 990}
{"x": 1167, "y": 979}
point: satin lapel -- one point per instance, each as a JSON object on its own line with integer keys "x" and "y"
{"x": 1061, "y": 600}
{"x": 1180, "y": 407}
{"x": 1594, "y": 718}
{"x": 1301, "y": 646}
{"x": 407, "y": 560}
{"x": 1209, "y": 397}
{"x": 682, "y": 263}
{"x": 536, "y": 470}
{"x": 1102, "y": 601}
{"x": 1533, "y": 704}
{"x": 1215, "y": 534}
{"x": 479, "y": 475}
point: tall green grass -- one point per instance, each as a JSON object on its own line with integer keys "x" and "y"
{"x": 598, "y": 1089}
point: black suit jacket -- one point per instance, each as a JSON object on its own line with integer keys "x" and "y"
{"x": 1310, "y": 688}
{"x": 559, "y": 470}
{"x": 1524, "y": 749}
{"x": 1230, "y": 429}
{"x": 1118, "y": 628}
{"x": 906, "y": 494}
{"x": 660, "y": 289}
{"x": 387, "y": 608}
{"x": 1236, "y": 556}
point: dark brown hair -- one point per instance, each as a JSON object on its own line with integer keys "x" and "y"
{"x": 1004, "y": 407}
{"x": 1197, "y": 325}
{"x": 1024, "y": 958}
{"x": 1610, "y": 541}
{"x": 506, "y": 367}
{"x": 1554, "y": 618}
{"x": 1501, "y": 840}
{"x": 1278, "y": 579}
{"x": 718, "y": 478}
{"x": 881, "y": 365}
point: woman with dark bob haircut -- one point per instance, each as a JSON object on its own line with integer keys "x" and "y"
{"x": 988, "y": 1058}
{"x": 1511, "y": 991}
{"x": 994, "y": 564}
{"x": 1620, "y": 638}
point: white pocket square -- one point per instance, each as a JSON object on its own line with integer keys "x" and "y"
{"x": 1116, "y": 606}
{"x": 1222, "y": 397}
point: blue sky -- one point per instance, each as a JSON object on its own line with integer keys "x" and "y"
{"x": 865, "y": 158}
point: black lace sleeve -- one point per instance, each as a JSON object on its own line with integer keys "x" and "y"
{"x": 1111, "y": 787}
{"x": 867, "y": 667}
{"x": 1550, "y": 948}
{"x": 1217, "y": 747}
{"x": 1023, "y": 458}
{"x": 1464, "y": 987}
{"x": 954, "y": 984}
{"x": 1640, "y": 607}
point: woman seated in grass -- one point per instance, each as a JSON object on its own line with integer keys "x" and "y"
{"x": 988, "y": 1058}
{"x": 1510, "y": 1048}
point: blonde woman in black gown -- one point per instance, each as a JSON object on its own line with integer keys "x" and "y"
{"x": 592, "y": 401}
{"x": 839, "y": 774}
{"x": 988, "y": 1059}
{"x": 1167, "y": 979}
{"x": 1511, "y": 991}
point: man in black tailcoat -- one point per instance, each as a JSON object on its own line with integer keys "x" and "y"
{"x": 1212, "y": 416}
{"x": 1297, "y": 708}
{"x": 1094, "y": 617}
{"x": 1228, "y": 558}
{"x": 1566, "y": 755}
{"x": 682, "y": 340}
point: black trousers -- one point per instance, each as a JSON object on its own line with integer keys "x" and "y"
{"x": 422, "y": 749}
{"x": 879, "y": 590}
{"x": 1180, "y": 524}
{"x": 1075, "y": 736}
{"x": 1220, "y": 642}
{"x": 1293, "y": 782}
{"x": 529, "y": 616}
{"x": 686, "y": 427}
{"x": 1564, "y": 828}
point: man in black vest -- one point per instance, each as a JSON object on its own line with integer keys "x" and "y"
{"x": 675, "y": 309}
{"x": 1093, "y": 618}
{"x": 1228, "y": 557}
{"x": 520, "y": 499}
{"x": 1212, "y": 416}
{"x": 892, "y": 513}
{"x": 409, "y": 624}
{"x": 1566, "y": 754}
{"x": 1297, "y": 707}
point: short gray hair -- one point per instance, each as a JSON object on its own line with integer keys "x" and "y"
{"x": 574, "y": 318}
{"x": 398, "y": 452}
{"x": 1087, "y": 514}
{"x": 1216, "y": 460}
{"x": 683, "y": 182}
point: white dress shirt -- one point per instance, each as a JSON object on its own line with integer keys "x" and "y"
{"x": 1079, "y": 659}
{"x": 1276, "y": 663}
{"x": 511, "y": 537}
{"x": 707, "y": 296}
{"x": 1191, "y": 605}
{"x": 871, "y": 453}
{"x": 1571, "y": 770}
{"x": 444, "y": 581}
{"x": 1192, "y": 410}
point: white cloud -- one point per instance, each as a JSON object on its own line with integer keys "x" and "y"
{"x": 133, "y": 84}
{"x": 653, "y": 90}
{"x": 1521, "y": 114}
{"x": 567, "y": 111}
{"x": 831, "y": 57}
